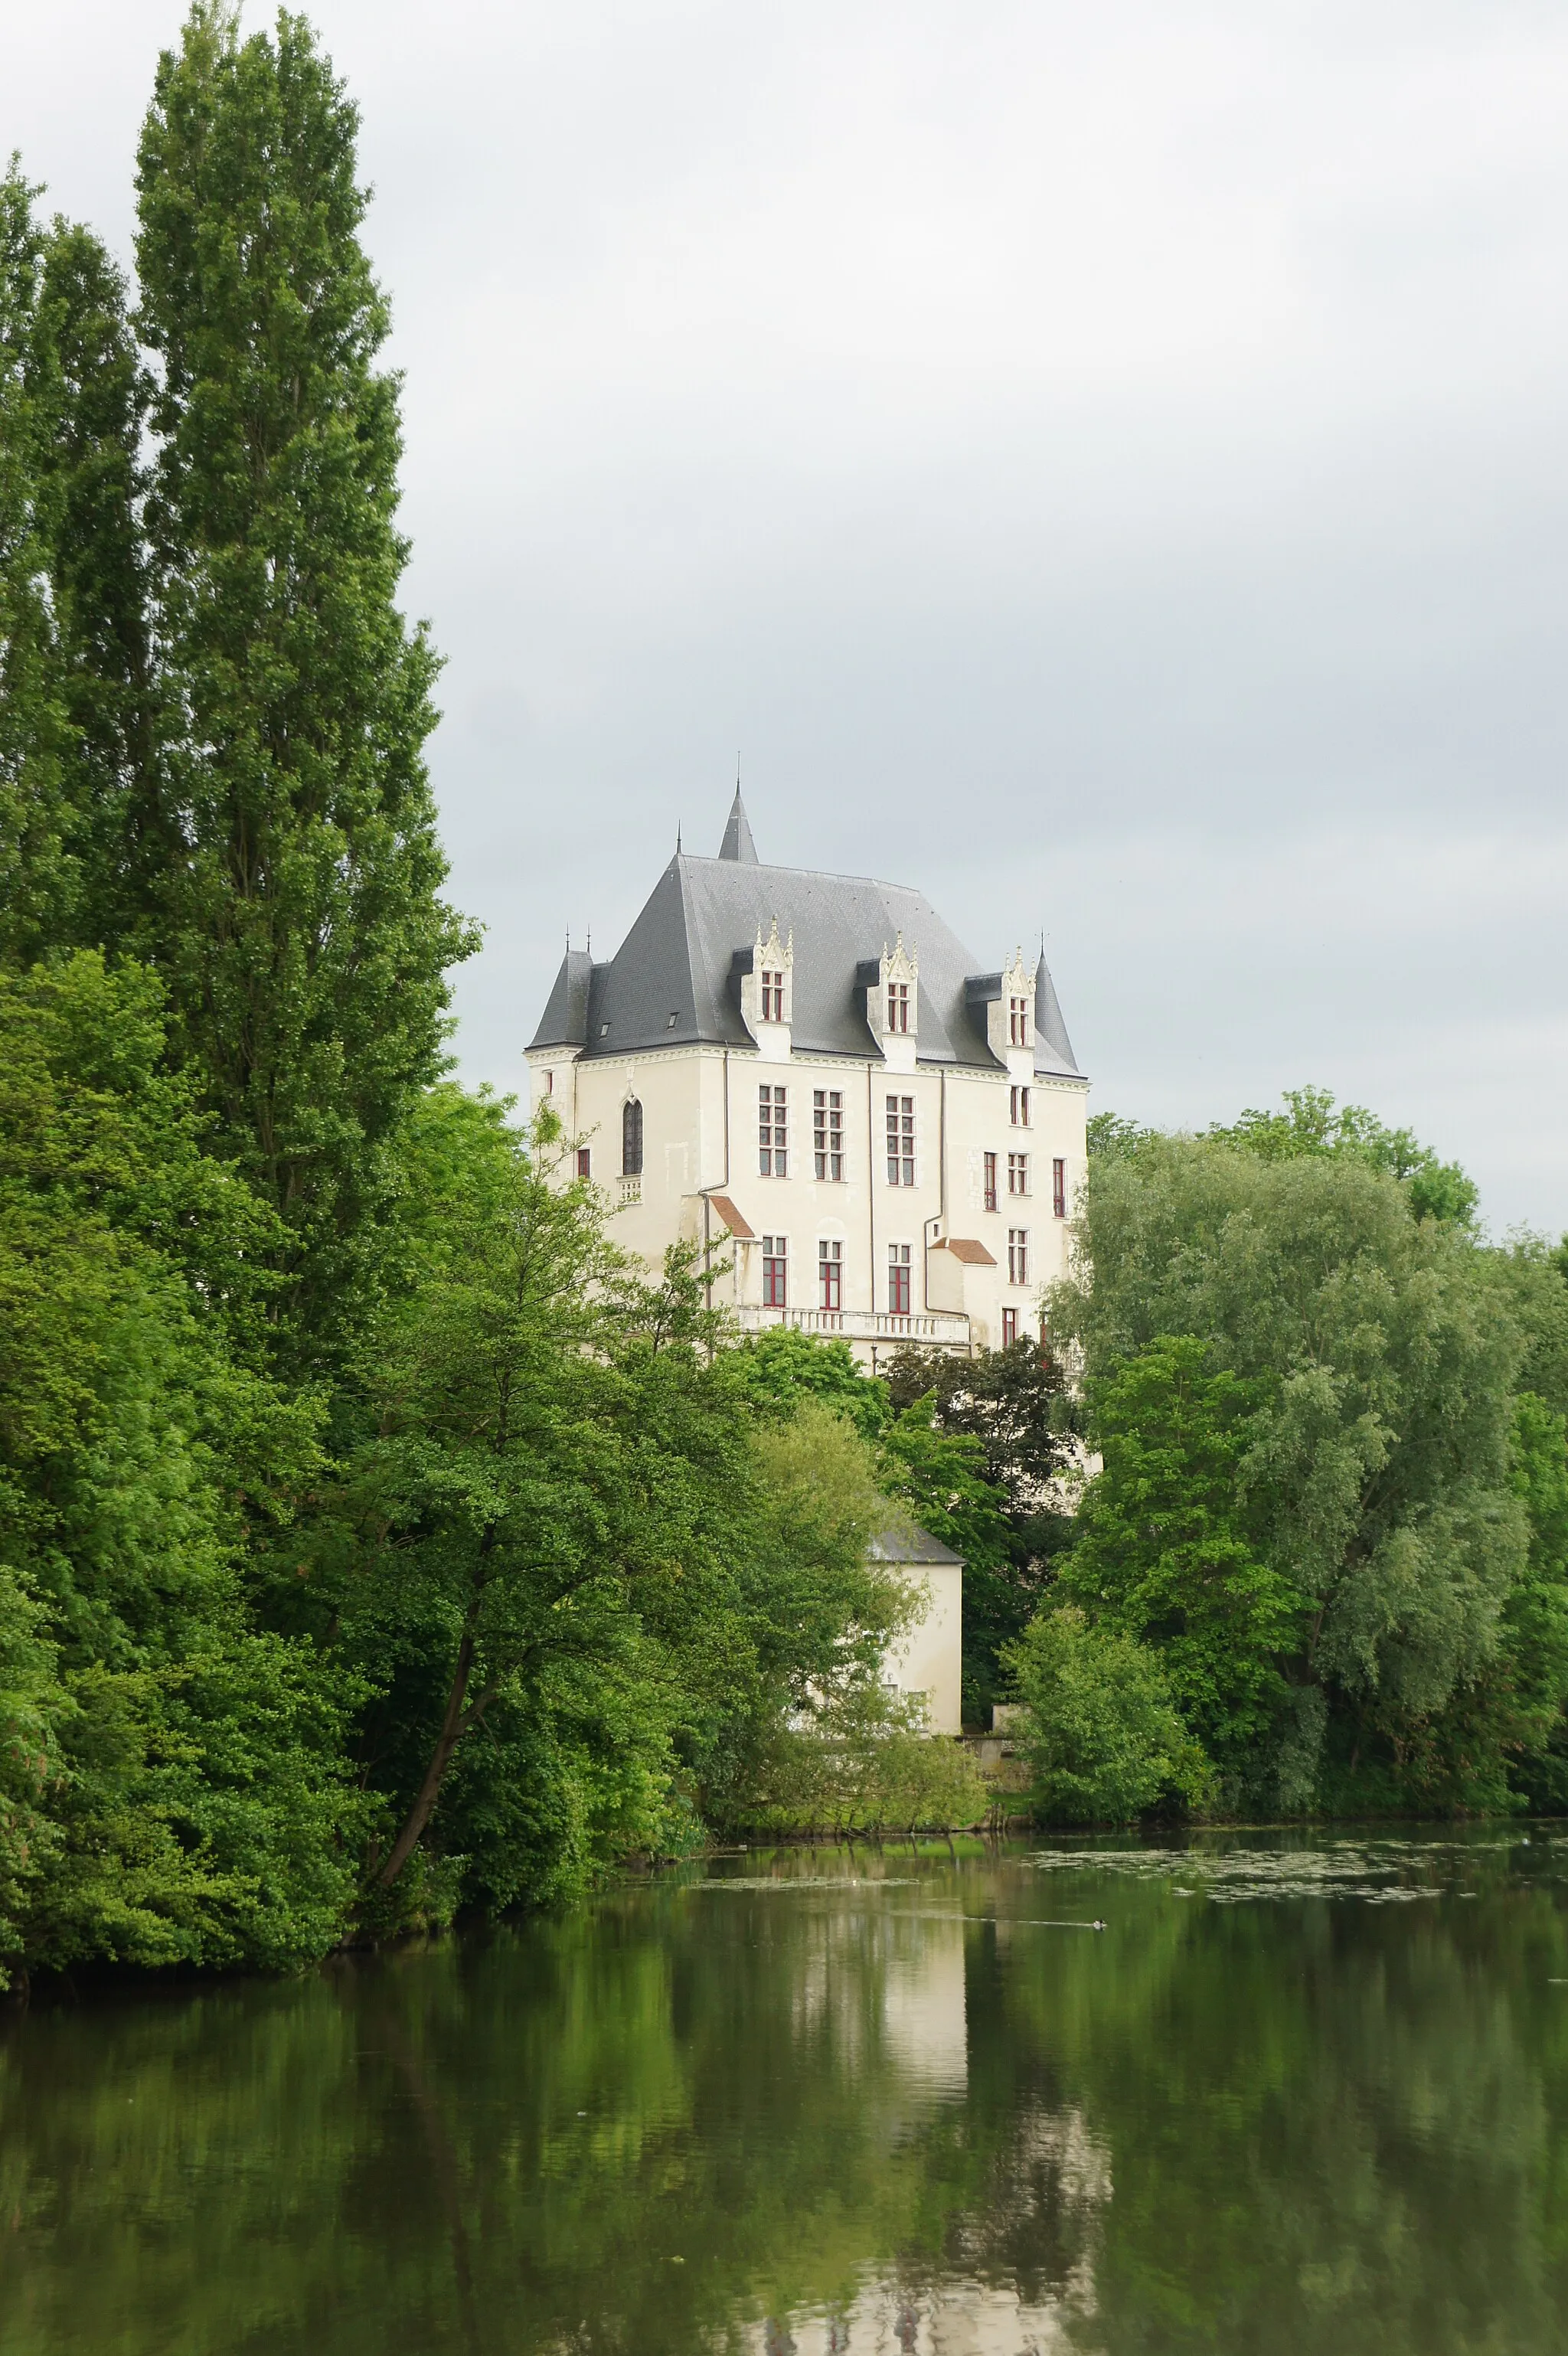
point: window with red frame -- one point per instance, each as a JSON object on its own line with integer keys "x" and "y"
{"x": 830, "y": 1277}
{"x": 898, "y": 1006}
{"x": 1010, "y": 1328}
{"x": 772, "y": 1132}
{"x": 1017, "y": 1174}
{"x": 1018, "y": 1255}
{"x": 585, "y": 1161}
{"x": 1019, "y": 1107}
{"x": 776, "y": 1271}
{"x": 1018, "y": 1021}
{"x": 990, "y": 1182}
{"x": 772, "y": 998}
{"x": 898, "y": 1279}
{"x": 1059, "y": 1188}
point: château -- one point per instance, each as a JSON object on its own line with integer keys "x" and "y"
{"x": 813, "y": 1065}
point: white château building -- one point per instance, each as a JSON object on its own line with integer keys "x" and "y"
{"x": 813, "y": 1064}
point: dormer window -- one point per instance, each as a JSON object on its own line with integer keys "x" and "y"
{"x": 892, "y": 983}
{"x": 766, "y": 976}
{"x": 1018, "y": 1021}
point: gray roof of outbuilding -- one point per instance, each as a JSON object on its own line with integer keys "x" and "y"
{"x": 674, "y": 979}
{"x": 913, "y": 1546}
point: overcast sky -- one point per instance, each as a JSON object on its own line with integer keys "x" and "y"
{"x": 1103, "y": 465}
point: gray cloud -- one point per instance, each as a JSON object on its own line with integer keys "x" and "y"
{"x": 1105, "y": 466}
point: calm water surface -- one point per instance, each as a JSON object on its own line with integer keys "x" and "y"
{"x": 1299, "y": 2094}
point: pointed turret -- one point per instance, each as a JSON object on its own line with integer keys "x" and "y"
{"x": 737, "y": 844}
{"x": 1049, "y": 1029}
{"x": 564, "y": 1022}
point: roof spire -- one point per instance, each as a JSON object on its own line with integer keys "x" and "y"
{"x": 1048, "y": 1023}
{"x": 737, "y": 844}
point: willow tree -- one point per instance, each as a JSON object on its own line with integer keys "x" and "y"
{"x": 300, "y": 920}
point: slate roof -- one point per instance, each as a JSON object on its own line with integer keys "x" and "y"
{"x": 919, "y": 1546}
{"x": 675, "y": 981}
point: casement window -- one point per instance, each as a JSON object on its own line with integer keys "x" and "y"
{"x": 1017, "y": 1174}
{"x": 900, "y": 1140}
{"x": 1059, "y": 1188}
{"x": 772, "y": 997}
{"x": 1019, "y": 1107}
{"x": 1018, "y": 1021}
{"x": 776, "y": 1271}
{"x": 1010, "y": 1328}
{"x": 827, "y": 1131}
{"x": 631, "y": 1139}
{"x": 990, "y": 1182}
{"x": 830, "y": 1277}
{"x": 585, "y": 1161}
{"x": 898, "y": 1279}
{"x": 1018, "y": 1255}
{"x": 898, "y": 1006}
{"x": 772, "y": 1132}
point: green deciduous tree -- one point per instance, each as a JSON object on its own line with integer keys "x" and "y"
{"x": 1164, "y": 1551}
{"x": 190, "y": 1768}
{"x": 1102, "y": 1735}
{"x": 1009, "y": 1415}
{"x": 299, "y": 920}
{"x": 1384, "y": 1359}
{"x": 586, "y": 1578}
{"x": 89, "y": 394}
{"x": 79, "y": 738}
{"x": 38, "y": 871}
{"x": 1535, "y": 1621}
{"x": 1312, "y": 1123}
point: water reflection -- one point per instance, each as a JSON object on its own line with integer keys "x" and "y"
{"x": 853, "y": 2103}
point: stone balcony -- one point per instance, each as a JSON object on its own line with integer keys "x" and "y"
{"x": 927, "y": 1328}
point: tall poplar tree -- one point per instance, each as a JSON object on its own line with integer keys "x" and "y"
{"x": 78, "y": 739}
{"x": 38, "y": 881}
{"x": 89, "y": 397}
{"x": 300, "y": 924}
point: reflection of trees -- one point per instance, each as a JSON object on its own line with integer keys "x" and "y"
{"x": 1294, "y": 2127}
{"x": 496, "y": 2145}
{"x": 1329, "y": 2127}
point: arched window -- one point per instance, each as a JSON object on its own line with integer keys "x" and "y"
{"x": 631, "y": 1139}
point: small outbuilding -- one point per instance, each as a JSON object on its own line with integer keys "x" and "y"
{"x": 929, "y": 1659}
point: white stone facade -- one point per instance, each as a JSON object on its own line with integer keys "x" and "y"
{"x": 961, "y": 1223}
{"x": 918, "y": 1190}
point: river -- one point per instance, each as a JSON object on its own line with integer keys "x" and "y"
{"x": 1301, "y": 2094}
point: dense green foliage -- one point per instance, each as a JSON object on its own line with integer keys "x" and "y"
{"x": 373, "y": 1539}
{"x": 178, "y": 1783}
{"x": 1102, "y": 1735}
{"x": 1162, "y": 1551}
{"x": 1007, "y": 1424}
{"x": 1331, "y": 1420}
